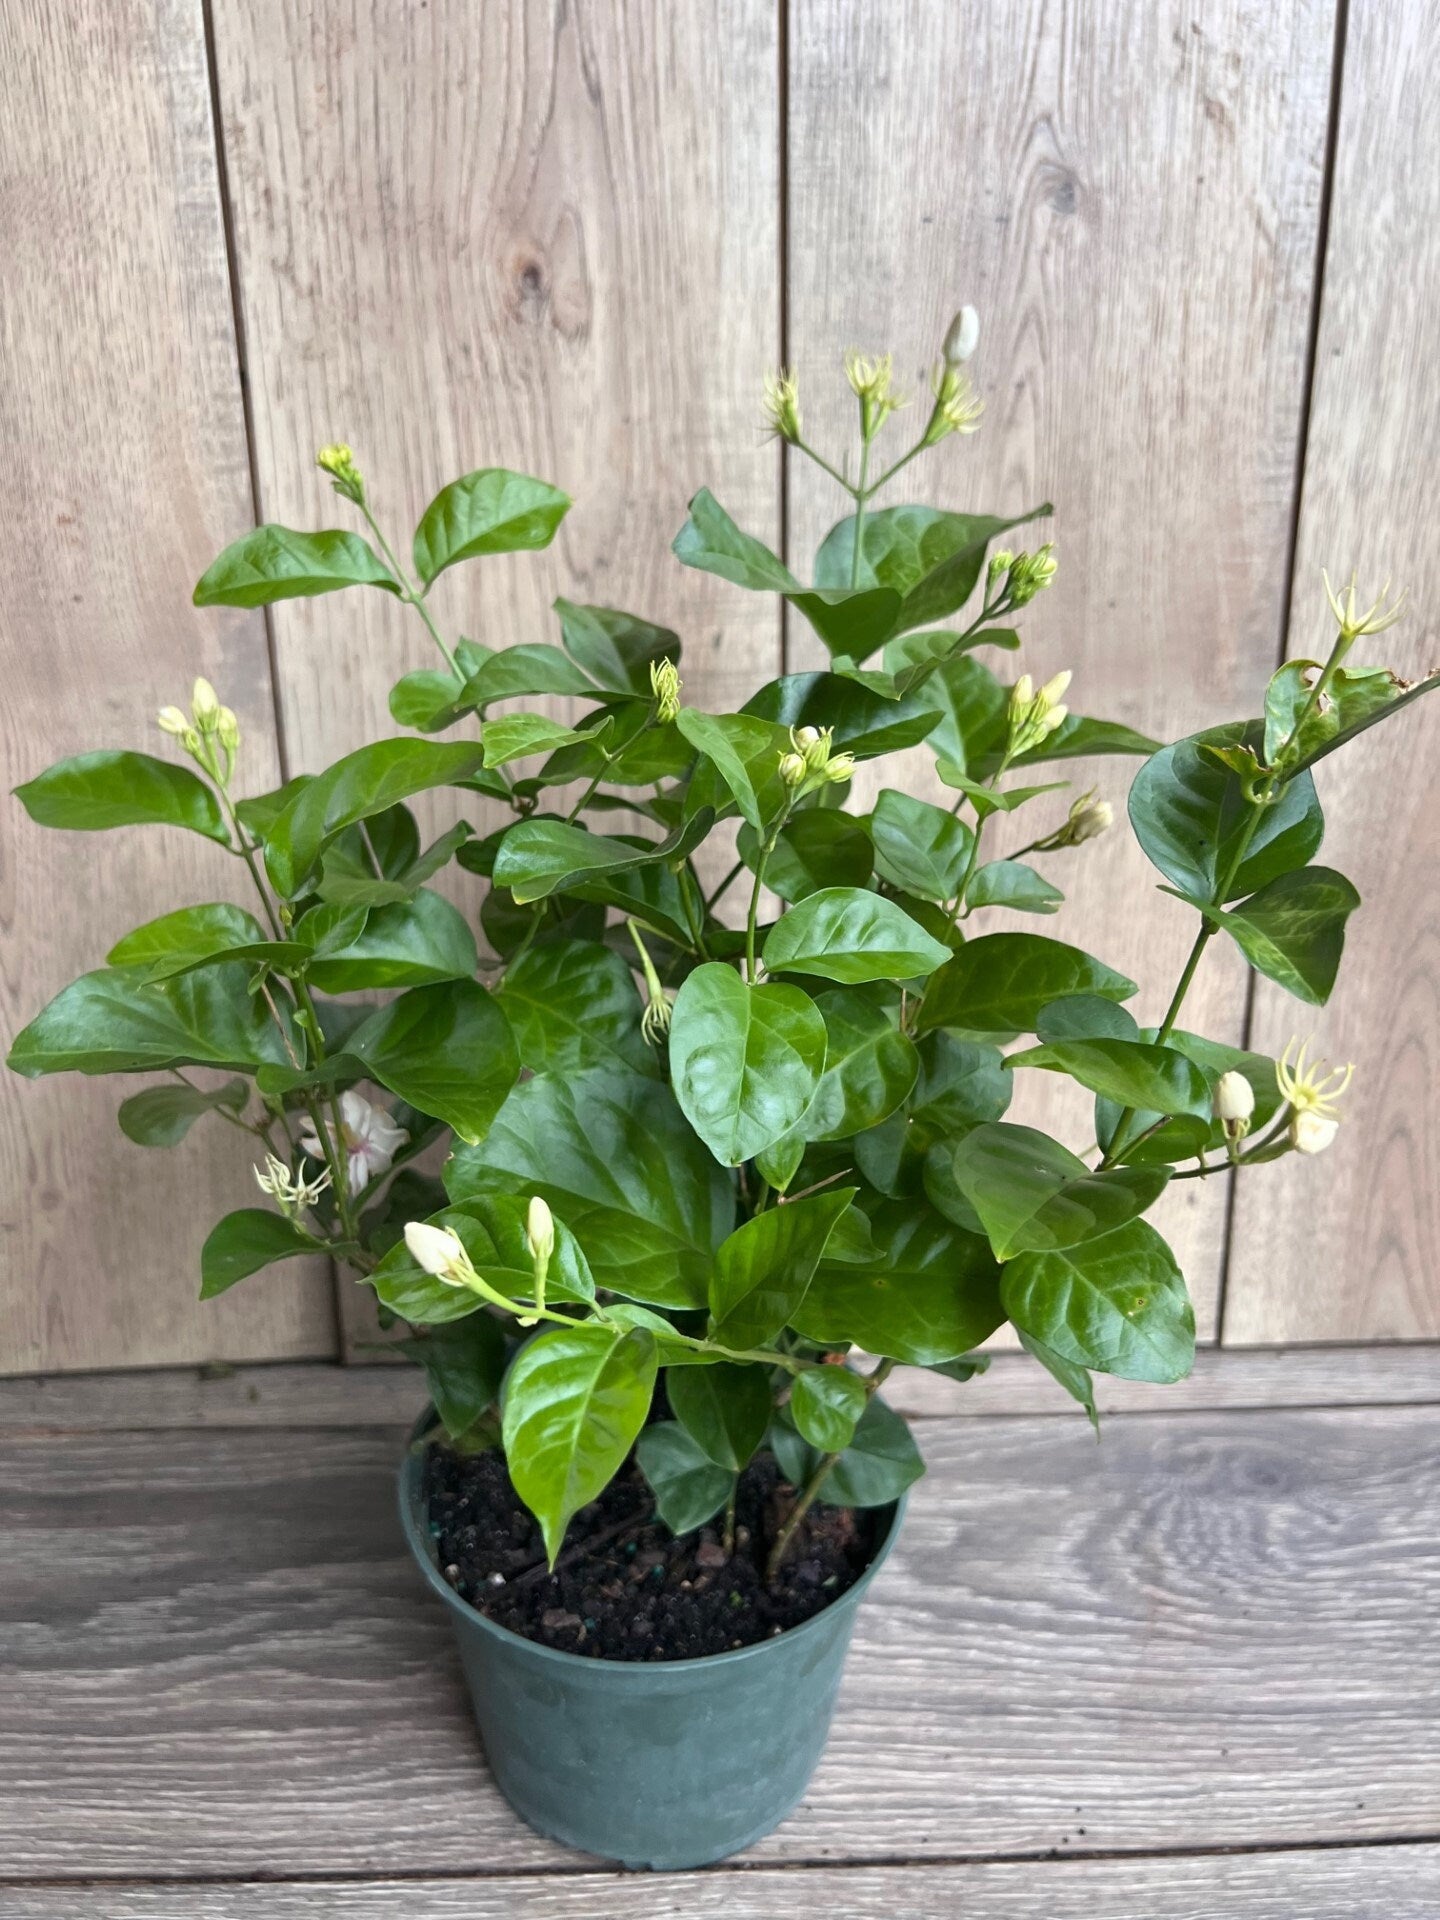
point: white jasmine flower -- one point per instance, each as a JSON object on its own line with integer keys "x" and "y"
{"x": 369, "y": 1136}
{"x": 1311, "y": 1132}
{"x": 440, "y": 1251}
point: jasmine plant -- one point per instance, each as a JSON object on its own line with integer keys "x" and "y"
{"x": 736, "y": 1135}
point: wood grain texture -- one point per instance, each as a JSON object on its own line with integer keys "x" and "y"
{"x": 1341, "y": 1883}
{"x": 1205, "y": 1633}
{"x": 1130, "y": 195}
{"x": 1352, "y": 1250}
{"x": 120, "y": 414}
{"x": 320, "y": 1394}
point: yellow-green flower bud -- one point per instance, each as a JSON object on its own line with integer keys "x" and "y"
{"x": 1353, "y": 623}
{"x": 1022, "y": 694}
{"x": 665, "y": 683}
{"x": 842, "y": 767}
{"x": 172, "y": 720}
{"x": 227, "y": 731}
{"x": 782, "y": 405}
{"x": 813, "y": 746}
{"x": 1000, "y": 563}
{"x": 205, "y": 706}
{"x": 1031, "y": 574}
{"x": 956, "y": 409}
{"x": 792, "y": 768}
{"x": 1089, "y": 818}
{"x": 339, "y": 462}
{"x": 870, "y": 383}
{"x": 962, "y": 338}
{"x": 805, "y": 738}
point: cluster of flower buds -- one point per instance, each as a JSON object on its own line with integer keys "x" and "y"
{"x": 1087, "y": 818}
{"x": 1234, "y": 1104}
{"x": 1036, "y": 712}
{"x": 870, "y": 383}
{"x": 956, "y": 409}
{"x": 810, "y": 762}
{"x": 290, "y": 1194}
{"x": 1025, "y": 574}
{"x": 782, "y": 405}
{"x": 339, "y": 462}
{"x": 209, "y": 733}
{"x": 1310, "y": 1091}
{"x": 665, "y": 684}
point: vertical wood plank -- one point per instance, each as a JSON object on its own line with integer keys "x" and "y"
{"x": 540, "y": 236}
{"x": 1349, "y": 1248}
{"x": 1130, "y": 196}
{"x": 120, "y": 415}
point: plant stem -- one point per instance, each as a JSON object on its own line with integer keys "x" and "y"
{"x": 408, "y": 593}
{"x": 825, "y": 466}
{"x": 860, "y": 498}
{"x": 873, "y": 1383}
{"x": 805, "y": 1192}
{"x": 728, "y": 1542}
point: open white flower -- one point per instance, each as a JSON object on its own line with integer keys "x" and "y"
{"x": 369, "y": 1136}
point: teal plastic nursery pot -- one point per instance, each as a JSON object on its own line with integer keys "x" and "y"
{"x": 666, "y": 1764}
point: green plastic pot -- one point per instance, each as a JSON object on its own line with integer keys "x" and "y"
{"x": 666, "y": 1764}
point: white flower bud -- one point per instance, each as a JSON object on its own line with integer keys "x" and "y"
{"x": 227, "y": 729}
{"x": 1021, "y": 694}
{"x": 540, "y": 1229}
{"x": 1088, "y": 818}
{"x": 792, "y": 768}
{"x": 439, "y": 1251}
{"x": 805, "y": 738}
{"x": 1054, "y": 689}
{"x": 172, "y": 720}
{"x": 1311, "y": 1132}
{"x": 842, "y": 767}
{"x": 962, "y": 338}
{"x": 1234, "y": 1097}
{"x": 205, "y": 706}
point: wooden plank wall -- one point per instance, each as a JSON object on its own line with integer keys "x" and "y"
{"x": 571, "y": 239}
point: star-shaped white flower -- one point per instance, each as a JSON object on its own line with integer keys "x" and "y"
{"x": 370, "y": 1137}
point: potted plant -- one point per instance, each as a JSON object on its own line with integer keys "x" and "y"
{"x": 716, "y": 1129}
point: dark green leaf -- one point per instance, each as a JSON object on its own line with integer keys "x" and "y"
{"x": 516, "y": 736}
{"x": 243, "y": 1242}
{"x": 711, "y": 541}
{"x": 918, "y": 847}
{"x": 574, "y": 1401}
{"x": 617, "y": 650}
{"x": 817, "y": 848}
{"x": 1086, "y": 1016}
{"x": 735, "y": 742}
{"x": 688, "y": 1487}
{"x": 538, "y": 857}
{"x": 764, "y": 1268}
{"x": 1075, "y": 1380}
{"x": 490, "y": 511}
{"x": 1177, "y": 1139}
{"x": 1115, "y": 1305}
{"x": 492, "y": 1228}
{"x": 1136, "y": 1073}
{"x": 744, "y": 1060}
{"x": 96, "y": 790}
{"x": 825, "y": 1404}
{"x": 118, "y": 1021}
{"x": 870, "y": 1066}
{"x": 932, "y": 559}
{"x": 863, "y": 723}
{"x": 850, "y": 935}
{"x": 880, "y": 1462}
{"x": 725, "y": 1409}
{"x": 347, "y": 877}
{"x": 520, "y": 672}
{"x": 412, "y": 944}
{"x": 1293, "y": 930}
{"x": 1077, "y": 738}
{"x": 1010, "y": 883}
{"x": 275, "y": 563}
{"x": 572, "y": 1004}
{"x": 195, "y": 936}
{"x": 464, "y": 1364}
{"x": 852, "y": 622}
{"x": 162, "y": 1116}
{"x": 1031, "y": 1194}
{"x": 959, "y": 1085}
{"x": 995, "y": 986}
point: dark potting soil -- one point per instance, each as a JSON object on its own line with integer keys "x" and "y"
{"x": 624, "y": 1587}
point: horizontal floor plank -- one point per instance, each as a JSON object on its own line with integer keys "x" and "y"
{"x": 1208, "y": 1632}
{"x": 1340, "y": 1883}
{"x": 318, "y": 1394}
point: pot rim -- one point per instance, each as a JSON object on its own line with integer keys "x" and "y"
{"x": 614, "y": 1670}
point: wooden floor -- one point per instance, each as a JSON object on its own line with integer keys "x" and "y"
{"x": 1193, "y": 1671}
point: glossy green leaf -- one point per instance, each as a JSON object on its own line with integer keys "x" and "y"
{"x": 711, "y": 541}
{"x": 826, "y": 1403}
{"x": 1075, "y": 1380}
{"x": 736, "y": 743}
{"x": 689, "y": 1488}
{"x": 870, "y": 1066}
{"x": 959, "y": 1085}
{"x": 1031, "y": 1194}
{"x": 243, "y": 1242}
{"x": 816, "y": 849}
{"x": 881, "y": 1461}
{"x": 919, "y": 847}
{"x": 863, "y": 723}
{"x": 725, "y": 1409}
{"x": 1077, "y": 738}
{"x": 996, "y": 986}
{"x": 119, "y": 1021}
{"x": 1136, "y": 1073}
{"x": 852, "y": 621}
{"x": 1293, "y": 930}
{"x": 1359, "y": 699}
{"x": 532, "y": 667}
{"x": 614, "y": 1157}
{"x": 516, "y": 736}
{"x": 764, "y": 1267}
{"x": 1010, "y": 883}
{"x": 162, "y": 1116}
{"x": 931, "y": 559}
{"x": 617, "y": 650}
{"x": 276, "y": 563}
{"x": 1189, "y": 813}
{"x": 348, "y": 877}
{"x": 490, "y": 511}
{"x": 573, "y": 1004}
{"x": 1086, "y": 1016}
{"x": 1161, "y": 1142}
{"x": 539, "y": 857}
{"x": 850, "y": 935}
{"x": 1115, "y": 1305}
{"x": 360, "y": 786}
{"x": 744, "y": 1060}
{"x": 974, "y": 727}
{"x": 922, "y": 1290}
{"x": 574, "y": 1401}
{"x": 92, "y": 791}
{"x": 411, "y": 944}
{"x": 429, "y": 700}
{"x": 192, "y": 936}
{"x": 464, "y": 1364}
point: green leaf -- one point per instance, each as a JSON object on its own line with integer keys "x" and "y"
{"x": 996, "y": 986}
{"x": 464, "y": 1364}
{"x": 863, "y": 723}
{"x": 260, "y": 812}
{"x": 572, "y": 1005}
{"x": 347, "y": 877}
{"x": 988, "y": 800}
{"x": 974, "y": 728}
{"x": 162, "y": 1116}
{"x": 243, "y": 1242}
{"x": 92, "y": 791}
{"x": 1293, "y": 930}
{"x": 1085, "y": 1016}
{"x": 411, "y": 944}
{"x": 959, "y": 1084}
{"x": 930, "y": 558}
{"x": 1115, "y": 1305}
{"x": 613, "y": 1155}
{"x": 688, "y": 1487}
{"x": 521, "y": 672}
{"x": 119, "y": 1021}
{"x": 1135, "y": 1073}
{"x": 880, "y": 1462}
{"x": 193, "y": 936}
{"x": 428, "y": 700}
{"x": 735, "y": 742}
{"x": 574, "y": 1401}
{"x": 711, "y": 541}
{"x": 870, "y": 1066}
{"x": 356, "y": 788}
{"x": 492, "y": 1229}
{"x": 918, "y": 847}
{"x": 1360, "y": 697}
{"x": 515, "y": 736}
{"x": 1177, "y": 1139}
{"x": 852, "y": 621}
{"x": 1010, "y": 883}
{"x": 763, "y": 1269}
{"x": 725, "y": 1409}
{"x": 1077, "y": 738}
{"x": 851, "y": 935}
{"x": 276, "y": 563}
{"x": 490, "y": 511}
{"x": 1355, "y": 698}
{"x": 540, "y": 857}
{"x": 744, "y": 1060}
{"x": 1075, "y": 1380}
{"x": 1189, "y": 813}
{"x": 818, "y": 848}
{"x": 1031, "y": 1194}
{"x": 826, "y": 1403}
{"x": 919, "y": 1289}
{"x": 617, "y": 650}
